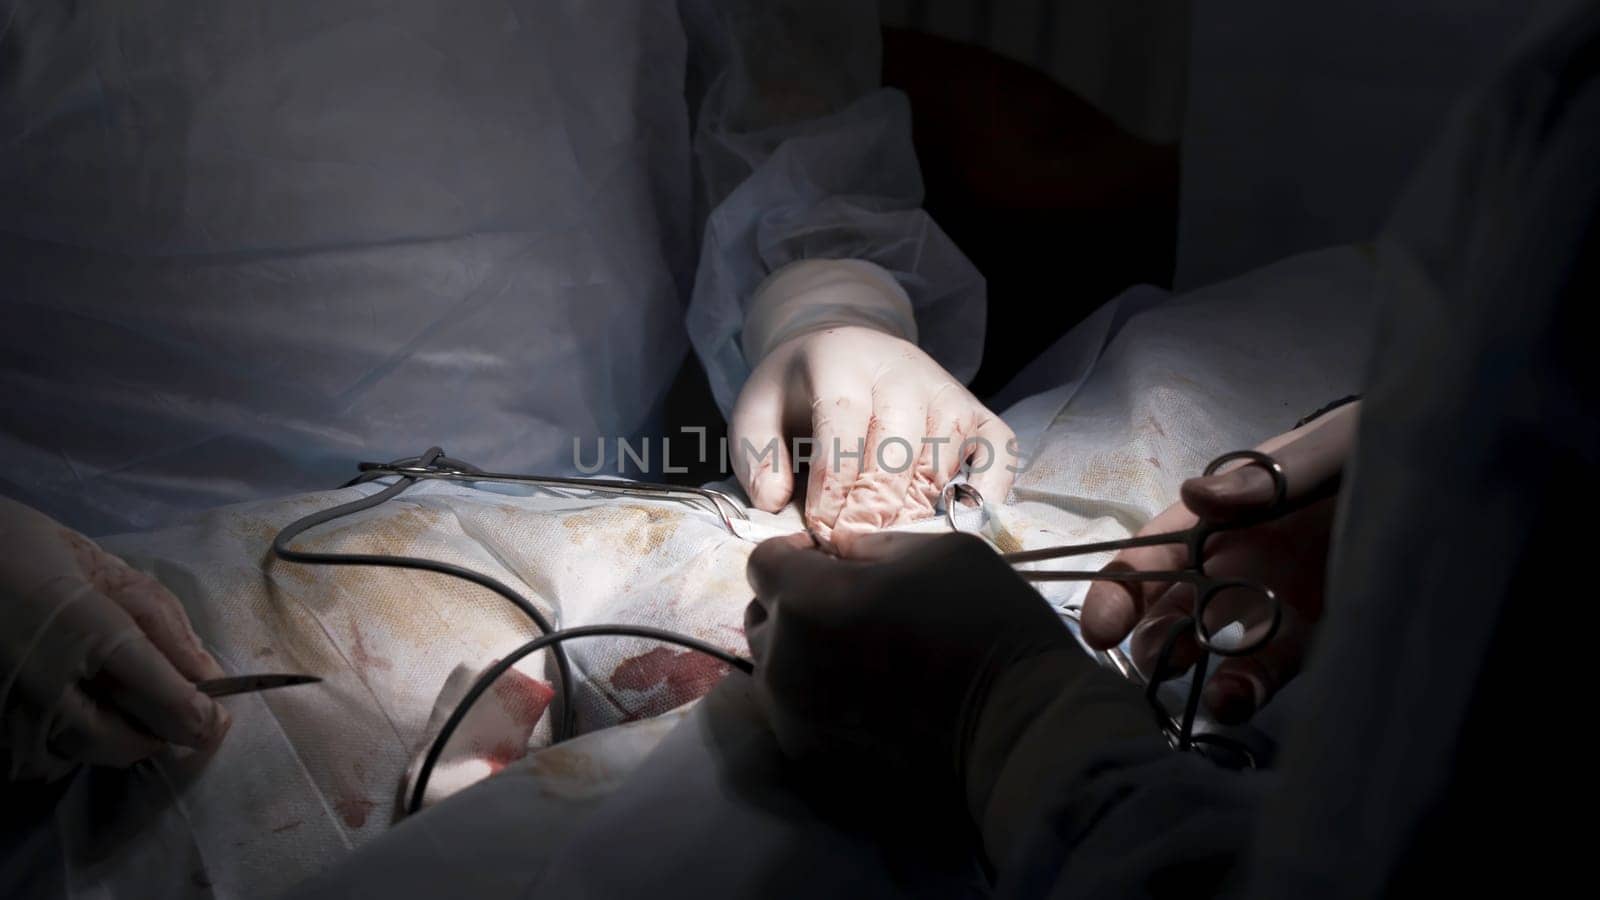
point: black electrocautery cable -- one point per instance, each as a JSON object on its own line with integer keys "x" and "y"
{"x": 552, "y": 640}
{"x": 551, "y": 636}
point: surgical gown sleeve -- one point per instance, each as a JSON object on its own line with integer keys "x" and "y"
{"x": 1068, "y": 775}
{"x": 1143, "y": 821}
{"x": 799, "y": 153}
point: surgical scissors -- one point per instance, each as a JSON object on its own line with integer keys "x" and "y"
{"x": 1207, "y": 587}
{"x": 249, "y": 684}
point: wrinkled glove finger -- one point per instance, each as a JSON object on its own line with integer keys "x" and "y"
{"x": 161, "y": 617}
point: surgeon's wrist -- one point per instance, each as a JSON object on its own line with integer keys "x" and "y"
{"x": 814, "y": 295}
{"x": 1044, "y": 718}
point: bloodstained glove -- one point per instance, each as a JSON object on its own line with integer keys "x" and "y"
{"x": 97, "y": 660}
{"x": 833, "y": 348}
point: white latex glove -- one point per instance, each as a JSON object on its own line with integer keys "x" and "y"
{"x": 97, "y": 660}
{"x": 837, "y": 361}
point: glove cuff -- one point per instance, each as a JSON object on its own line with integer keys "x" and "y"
{"x": 813, "y": 294}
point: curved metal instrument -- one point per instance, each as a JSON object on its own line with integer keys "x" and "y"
{"x": 1222, "y": 642}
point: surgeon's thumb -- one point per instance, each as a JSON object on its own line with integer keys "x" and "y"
{"x": 771, "y": 491}
{"x": 778, "y": 561}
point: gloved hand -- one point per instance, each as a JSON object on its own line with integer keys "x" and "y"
{"x": 1288, "y": 555}
{"x": 97, "y": 660}
{"x": 891, "y": 653}
{"x": 833, "y": 345}
{"x": 927, "y": 660}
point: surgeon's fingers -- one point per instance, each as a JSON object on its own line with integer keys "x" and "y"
{"x": 840, "y": 416}
{"x": 144, "y": 686}
{"x": 880, "y": 492}
{"x": 886, "y": 546}
{"x": 760, "y": 457}
{"x": 1230, "y": 495}
{"x": 1235, "y": 618}
{"x": 938, "y": 461}
{"x": 1244, "y": 684}
{"x": 161, "y": 617}
{"x": 1310, "y": 457}
{"x": 90, "y": 732}
{"x": 796, "y": 585}
{"x": 1111, "y": 609}
{"x": 773, "y": 561}
{"x": 1230, "y": 614}
{"x": 989, "y": 444}
{"x": 1173, "y": 605}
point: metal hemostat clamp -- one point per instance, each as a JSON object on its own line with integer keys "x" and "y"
{"x": 1207, "y": 588}
{"x": 954, "y": 493}
{"x": 958, "y": 492}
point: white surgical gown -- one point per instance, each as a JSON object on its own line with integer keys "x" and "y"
{"x": 244, "y": 245}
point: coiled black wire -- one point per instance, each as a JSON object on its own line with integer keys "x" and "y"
{"x": 551, "y": 636}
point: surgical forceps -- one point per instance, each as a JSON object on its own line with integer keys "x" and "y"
{"x": 444, "y": 468}
{"x": 1207, "y": 588}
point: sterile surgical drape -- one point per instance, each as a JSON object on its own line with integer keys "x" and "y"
{"x": 243, "y": 246}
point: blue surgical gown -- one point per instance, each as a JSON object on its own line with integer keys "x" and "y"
{"x": 244, "y": 245}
